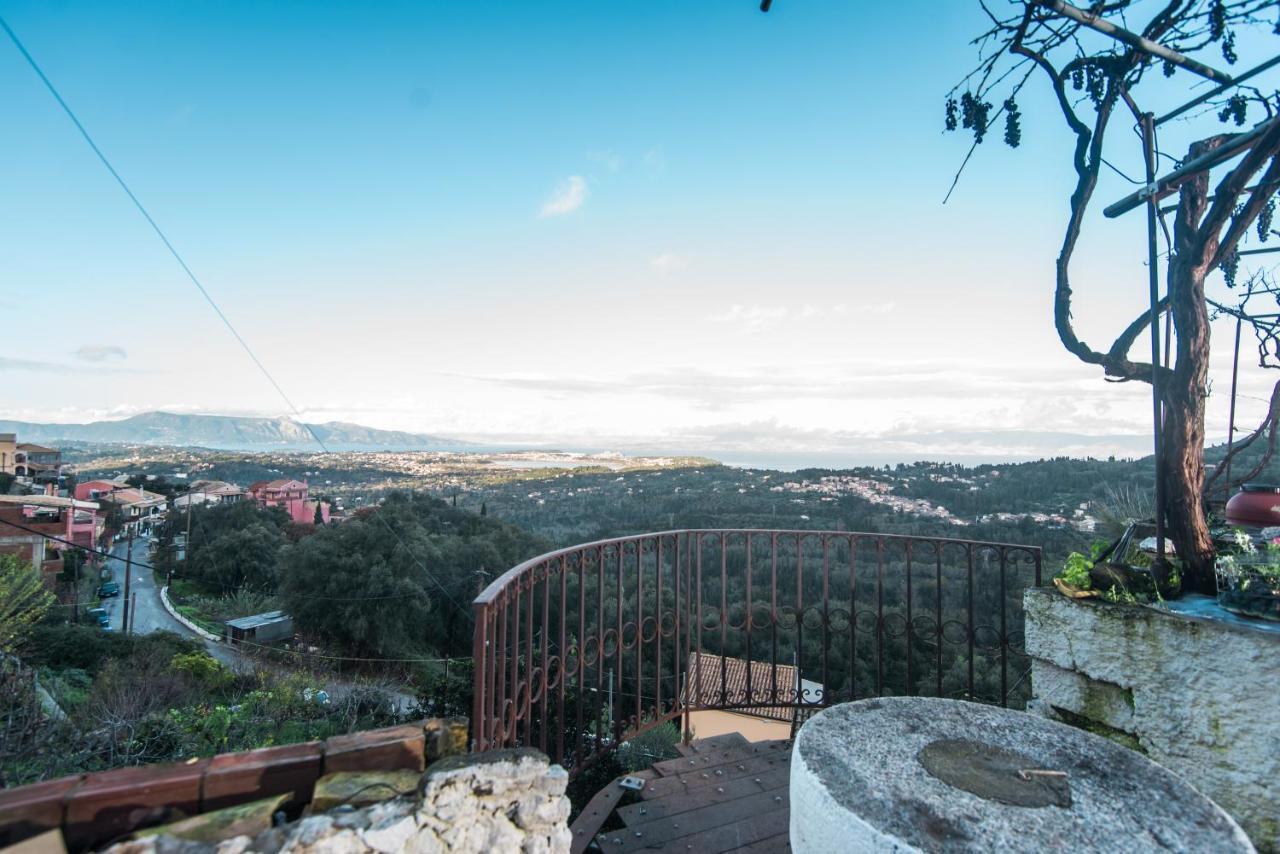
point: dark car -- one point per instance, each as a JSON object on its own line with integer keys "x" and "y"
{"x": 99, "y": 616}
{"x": 109, "y": 589}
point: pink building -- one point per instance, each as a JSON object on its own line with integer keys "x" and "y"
{"x": 38, "y": 528}
{"x": 293, "y": 496}
{"x": 92, "y": 490}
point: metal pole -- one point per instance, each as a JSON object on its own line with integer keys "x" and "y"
{"x": 128, "y": 575}
{"x": 1231, "y": 419}
{"x": 1217, "y": 90}
{"x": 1153, "y": 281}
{"x": 1133, "y": 40}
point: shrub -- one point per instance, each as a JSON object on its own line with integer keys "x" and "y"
{"x": 203, "y": 669}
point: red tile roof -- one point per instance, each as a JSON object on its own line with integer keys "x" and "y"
{"x": 707, "y": 670}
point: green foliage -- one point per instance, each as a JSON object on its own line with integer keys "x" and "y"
{"x": 235, "y": 546}
{"x": 88, "y": 648}
{"x": 216, "y": 610}
{"x": 397, "y": 581}
{"x": 23, "y": 601}
{"x": 1075, "y": 572}
{"x": 653, "y": 746}
{"x": 203, "y": 669}
{"x": 1119, "y": 596}
{"x": 445, "y": 696}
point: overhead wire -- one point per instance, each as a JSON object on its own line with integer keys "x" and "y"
{"x": 177, "y": 256}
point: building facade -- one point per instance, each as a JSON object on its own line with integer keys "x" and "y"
{"x": 291, "y": 495}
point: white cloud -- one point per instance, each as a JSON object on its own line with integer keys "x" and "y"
{"x": 100, "y": 352}
{"x": 567, "y": 198}
{"x": 654, "y": 160}
{"x": 610, "y": 160}
{"x": 668, "y": 262}
{"x": 752, "y": 318}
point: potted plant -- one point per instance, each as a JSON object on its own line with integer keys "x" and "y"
{"x": 1249, "y": 575}
{"x": 1125, "y": 570}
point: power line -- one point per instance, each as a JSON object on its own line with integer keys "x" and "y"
{"x": 66, "y": 108}
{"x": 346, "y": 658}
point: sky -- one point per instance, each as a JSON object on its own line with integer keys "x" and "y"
{"x": 657, "y": 224}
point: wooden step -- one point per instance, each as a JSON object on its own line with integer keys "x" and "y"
{"x": 684, "y": 801}
{"x": 753, "y": 764}
{"x": 716, "y": 742}
{"x": 661, "y": 831}
{"x": 597, "y": 811}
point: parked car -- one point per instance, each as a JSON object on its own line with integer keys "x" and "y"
{"x": 111, "y": 588}
{"x": 100, "y": 616}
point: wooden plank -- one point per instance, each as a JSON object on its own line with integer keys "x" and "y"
{"x": 754, "y": 765}
{"x": 597, "y": 811}
{"x": 733, "y": 836}
{"x": 682, "y": 802}
{"x": 684, "y": 764}
{"x": 716, "y": 815}
{"x": 781, "y": 842}
{"x": 718, "y": 742}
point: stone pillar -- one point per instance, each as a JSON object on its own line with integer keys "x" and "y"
{"x": 1199, "y": 696}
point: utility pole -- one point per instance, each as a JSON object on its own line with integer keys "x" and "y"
{"x": 186, "y": 543}
{"x": 128, "y": 576}
{"x": 133, "y": 609}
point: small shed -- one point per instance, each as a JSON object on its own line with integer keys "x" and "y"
{"x": 268, "y": 627}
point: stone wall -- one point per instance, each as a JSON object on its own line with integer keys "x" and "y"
{"x": 1200, "y": 697}
{"x": 507, "y": 800}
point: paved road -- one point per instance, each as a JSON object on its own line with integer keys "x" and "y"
{"x": 149, "y": 614}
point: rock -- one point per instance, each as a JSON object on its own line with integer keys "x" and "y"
{"x": 1196, "y": 695}
{"x": 502, "y": 801}
{"x": 391, "y": 835}
{"x": 244, "y": 820}
{"x": 858, "y": 783}
{"x": 361, "y": 788}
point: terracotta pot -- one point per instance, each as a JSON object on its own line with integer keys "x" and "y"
{"x": 1256, "y": 504}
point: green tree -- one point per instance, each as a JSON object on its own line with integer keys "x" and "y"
{"x": 319, "y": 517}
{"x": 23, "y": 601}
{"x": 396, "y": 580}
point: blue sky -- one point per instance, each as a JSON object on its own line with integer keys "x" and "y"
{"x": 658, "y": 222}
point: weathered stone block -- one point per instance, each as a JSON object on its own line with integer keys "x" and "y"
{"x": 362, "y": 788}
{"x": 1203, "y": 694}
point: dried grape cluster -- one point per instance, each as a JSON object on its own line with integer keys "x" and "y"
{"x": 1092, "y": 80}
{"x": 1236, "y": 108}
{"x": 1230, "y": 266}
{"x": 972, "y": 113}
{"x": 1012, "y": 124}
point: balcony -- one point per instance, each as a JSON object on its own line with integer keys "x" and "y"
{"x": 583, "y": 648}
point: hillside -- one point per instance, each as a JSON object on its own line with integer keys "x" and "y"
{"x": 227, "y": 432}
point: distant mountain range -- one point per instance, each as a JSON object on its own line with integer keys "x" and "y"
{"x": 230, "y": 433}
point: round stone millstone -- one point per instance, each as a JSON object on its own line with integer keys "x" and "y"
{"x": 859, "y": 782}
